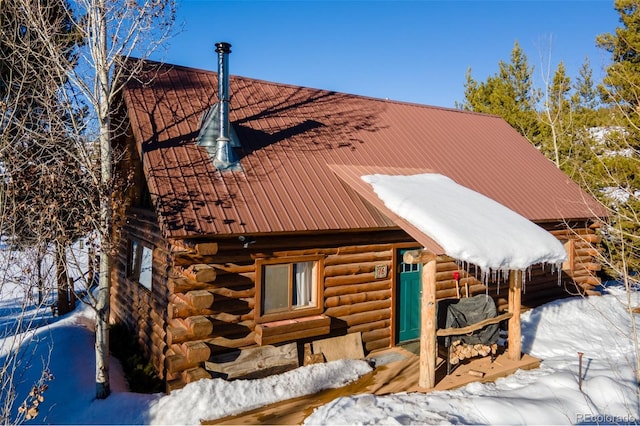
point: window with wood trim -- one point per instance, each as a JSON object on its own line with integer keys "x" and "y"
{"x": 288, "y": 287}
{"x": 140, "y": 263}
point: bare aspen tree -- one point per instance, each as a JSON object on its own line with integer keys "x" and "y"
{"x": 41, "y": 196}
{"x": 555, "y": 113}
{"x": 111, "y": 30}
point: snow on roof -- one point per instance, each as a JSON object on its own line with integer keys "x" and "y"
{"x": 468, "y": 225}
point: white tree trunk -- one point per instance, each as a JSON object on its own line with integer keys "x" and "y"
{"x": 102, "y": 318}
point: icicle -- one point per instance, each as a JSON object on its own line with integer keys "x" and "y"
{"x": 523, "y": 282}
{"x": 559, "y": 268}
{"x": 486, "y": 285}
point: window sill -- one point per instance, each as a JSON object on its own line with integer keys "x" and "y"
{"x": 292, "y": 329}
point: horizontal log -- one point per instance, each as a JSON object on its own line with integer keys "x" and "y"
{"x": 339, "y": 246}
{"x": 156, "y": 317}
{"x": 356, "y": 288}
{"x": 345, "y": 310}
{"x": 583, "y": 259}
{"x": 353, "y": 268}
{"x": 587, "y": 251}
{"x": 232, "y": 343}
{"x": 448, "y": 275}
{"x": 198, "y": 299}
{"x": 451, "y": 293}
{"x": 198, "y": 326}
{"x": 229, "y": 306}
{"x": 451, "y": 284}
{"x": 159, "y": 332}
{"x": 178, "y": 363}
{"x": 369, "y": 326}
{"x": 343, "y": 280}
{"x": 194, "y": 374}
{"x": 583, "y": 245}
{"x": 588, "y": 279}
{"x": 196, "y": 351}
{"x": 373, "y": 335}
{"x": 378, "y": 344}
{"x": 224, "y": 329}
{"x": 366, "y": 317}
{"x": 419, "y": 256}
{"x": 198, "y": 272}
{"x": 581, "y": 271}
{"x": 443, "y": 332}
{"x": 182, "y": 284}
{"x": 592, "y": 238}
{"x": 239, "y": 256}
{"x": 203, "y": 249}
{"x": 577, "y": 231}
{"x": 593, "y": 266}
{"x": 226, "y": 317}
{"x": 177, "y": 334}
{"x": 341, "y": 259}
{"x": 292, "y": 329}
{"x": 296, "y": 335}
{"x": 174, "y": 385}
{"x": 447, "y": 266}
{"x": 350, "y": 299}
{"x": 234, "y": 294}
{"x": 254, "y": 362}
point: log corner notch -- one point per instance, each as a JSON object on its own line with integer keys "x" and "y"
{"x": 200, "y": 248}
{"x": 428, "y": 316}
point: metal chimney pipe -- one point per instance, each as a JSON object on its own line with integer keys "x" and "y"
{"x": 225, "y": 158}
{"x": 223, "y": 49}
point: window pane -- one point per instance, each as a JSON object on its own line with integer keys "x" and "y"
{"x": 303, "y": 288}
{"x": 276, "y": 288}
{"x": 133, "y": 260}
{"x": 146, "y": 267}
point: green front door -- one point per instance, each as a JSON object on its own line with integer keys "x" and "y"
{"x": 407, "y": 300}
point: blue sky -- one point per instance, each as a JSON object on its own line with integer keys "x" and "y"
{"x": 415, "y": 51}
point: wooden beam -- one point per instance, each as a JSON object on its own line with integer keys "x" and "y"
{"x": 428, "y": 342}
{"x": 255, "y": 362}
{"x": 457, "y": 331}
{"x": 515, "y": 333}
{"x": 418, "y": 256}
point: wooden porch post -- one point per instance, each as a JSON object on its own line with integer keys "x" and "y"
{"x": 515, "y": 333}
{"x": 428, "y": 342}
{"x": 428, "y": 321}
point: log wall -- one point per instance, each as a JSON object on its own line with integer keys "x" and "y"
{"x": 141, "y": 310}
{"x": 202, "y": 304}
{"x": 211, "y": 297}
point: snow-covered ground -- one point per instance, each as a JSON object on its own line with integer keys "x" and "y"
{"x": 599, "y": 327}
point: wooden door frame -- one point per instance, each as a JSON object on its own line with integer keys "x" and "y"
{"x": 394, "y": 287}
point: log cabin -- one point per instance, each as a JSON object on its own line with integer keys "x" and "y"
{"x": 244, "y": 232}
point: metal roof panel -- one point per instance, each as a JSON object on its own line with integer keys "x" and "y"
{"x": 289, "y": 135}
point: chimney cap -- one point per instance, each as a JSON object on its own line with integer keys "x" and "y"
{"x": 223, "y": 47}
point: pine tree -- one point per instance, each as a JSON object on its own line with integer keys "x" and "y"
{"x": 509, "y": 93}
{"x": 619, "y": 152}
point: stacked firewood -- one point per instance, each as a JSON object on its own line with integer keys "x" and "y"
{"x": 460, "y": 351}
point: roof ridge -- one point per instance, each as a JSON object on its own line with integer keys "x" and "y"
{"x": 297, "y": 86}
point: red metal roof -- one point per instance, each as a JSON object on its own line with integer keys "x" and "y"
{"x": 290, "y": 135}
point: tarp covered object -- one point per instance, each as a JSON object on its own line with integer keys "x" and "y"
{"x": 467, "y": 311}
